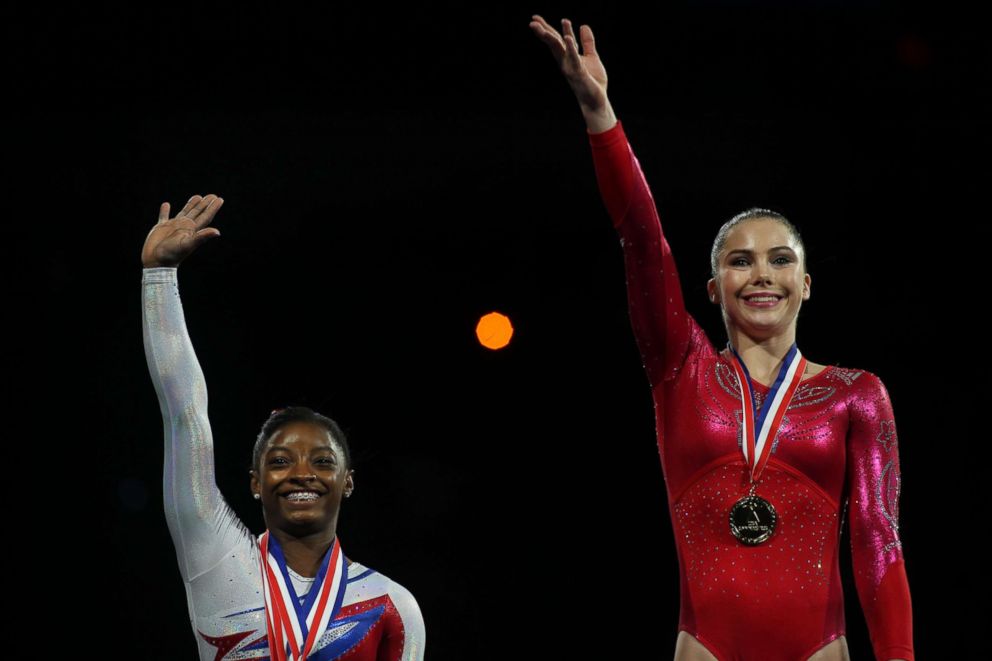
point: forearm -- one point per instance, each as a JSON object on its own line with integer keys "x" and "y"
{"x": 658, "y": 316}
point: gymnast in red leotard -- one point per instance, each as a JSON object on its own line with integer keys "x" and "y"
{"x": 766, "y": 587}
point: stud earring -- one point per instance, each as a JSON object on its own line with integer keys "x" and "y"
{"x": 258, "y": 496}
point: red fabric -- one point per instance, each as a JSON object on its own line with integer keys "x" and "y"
{"x": 889, "y": 626}
{"x": 837, "y": 444}
{"x": 384, "y": 641}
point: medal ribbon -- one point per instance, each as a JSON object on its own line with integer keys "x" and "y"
{"x": 293, "y": 628}
{"x": 759, "y": 431}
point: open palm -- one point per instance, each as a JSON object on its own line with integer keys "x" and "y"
{"x": 584, "y": 71}
{"x": 173, "y": 239}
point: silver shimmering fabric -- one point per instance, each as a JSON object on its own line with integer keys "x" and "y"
{"x": 218, "y": 556}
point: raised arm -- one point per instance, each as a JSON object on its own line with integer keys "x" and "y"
{"x": 657, "y": 311}
{"x": 201, "y": 524}
{"x": 874, "y": 482}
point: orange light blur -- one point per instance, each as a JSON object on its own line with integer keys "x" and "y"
{"x": 494, "y": 331}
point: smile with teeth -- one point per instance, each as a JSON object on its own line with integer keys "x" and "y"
{"x": 302, "y": 496}
{"x": 762, "y": 301}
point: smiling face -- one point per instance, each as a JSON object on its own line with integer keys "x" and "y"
{"x": 760, "y": 281}
{"x": 302, "y": 476}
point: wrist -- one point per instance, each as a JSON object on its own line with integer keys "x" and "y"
{"x": 159, "y": 275}
{"x": 599, "y": 120}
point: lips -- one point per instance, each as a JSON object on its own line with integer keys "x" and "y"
{"x": 762, "y": 299}
{"x": 762, "y": 294}
{"x": 303, "y": 496}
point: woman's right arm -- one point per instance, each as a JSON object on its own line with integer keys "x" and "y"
{"x": 657, "y": 311}
{"x": 201, "y": 524}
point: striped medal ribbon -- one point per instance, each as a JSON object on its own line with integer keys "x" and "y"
{"x": 752, "y": 518}
{"x": 294, "y": 628}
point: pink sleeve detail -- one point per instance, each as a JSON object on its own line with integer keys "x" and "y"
{"x": 654, "y": 292}
{"x": 874, "y": 481}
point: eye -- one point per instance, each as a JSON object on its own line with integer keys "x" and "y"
{"x": 782, "y": 259}
{"x": 326, "y": 461}
{"x": 738, "y": 261}
{"x": 278, "y": 461}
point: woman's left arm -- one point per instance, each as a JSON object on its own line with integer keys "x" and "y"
{"x": 874, "y": 483}
{"x": 403, "y": 638}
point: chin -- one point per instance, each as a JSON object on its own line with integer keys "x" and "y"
{"x": 304, "y": 525}
{"x": 762, "y": 330}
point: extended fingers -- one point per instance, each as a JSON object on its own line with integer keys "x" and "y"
{"x": 206, "y": 235}
{"x": 566, "y": 28}
{"x": 588, "y": 41}
{"x": 163, "y": 212}
{"x": 204, "y": 212}
{"x": 547, "y": 34}
{"x": 571, "y": 45}
{"x": 193, "y": 201}
{"x": 198, "y": 208}
{"x": 538, "y": 24}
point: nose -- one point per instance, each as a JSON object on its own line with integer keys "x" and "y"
{"x": 303, "y": 478}
{"x": 302, "y": 472}
{"x": 761, "y": 273}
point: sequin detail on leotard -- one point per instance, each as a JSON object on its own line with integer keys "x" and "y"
{"x": 781, "y": 600}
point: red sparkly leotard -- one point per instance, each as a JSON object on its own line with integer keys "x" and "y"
{"x": 780, "y": 600}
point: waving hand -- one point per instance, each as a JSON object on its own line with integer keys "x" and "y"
{"x": 584, "y": 71}
{"x": 171, "y": 240}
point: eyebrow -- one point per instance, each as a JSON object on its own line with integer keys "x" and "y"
{"x": 751, "y": 252}
{"x": 274, "y": 448}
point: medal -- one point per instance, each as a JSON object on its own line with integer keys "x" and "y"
{"x": 752, "y": 518}
{"x": 293, "y": 628}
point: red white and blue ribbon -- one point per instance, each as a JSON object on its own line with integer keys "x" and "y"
{"x": 759, "y": 429}
{"x": 294, "y": 628}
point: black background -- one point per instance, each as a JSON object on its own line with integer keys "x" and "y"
{"x": 390, "y": 176}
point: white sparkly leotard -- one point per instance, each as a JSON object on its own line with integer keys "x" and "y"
{"x": 218, "y": 557}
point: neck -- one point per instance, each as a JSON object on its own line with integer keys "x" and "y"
{"x": 762, "y": 356}
{"x": 304, "y": 553}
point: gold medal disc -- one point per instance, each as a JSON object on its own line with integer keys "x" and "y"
{"x": 752, "y": 520}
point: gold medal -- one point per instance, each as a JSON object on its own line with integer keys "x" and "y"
{"x": 752, "y": 519}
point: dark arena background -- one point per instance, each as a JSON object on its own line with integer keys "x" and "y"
{"x": 392, "y": 174}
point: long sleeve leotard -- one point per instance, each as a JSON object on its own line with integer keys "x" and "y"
{"x": 781, "y": 600}
{"x": 218, "y": 557}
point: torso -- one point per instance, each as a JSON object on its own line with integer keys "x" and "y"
{"x": 733, "y": 595}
